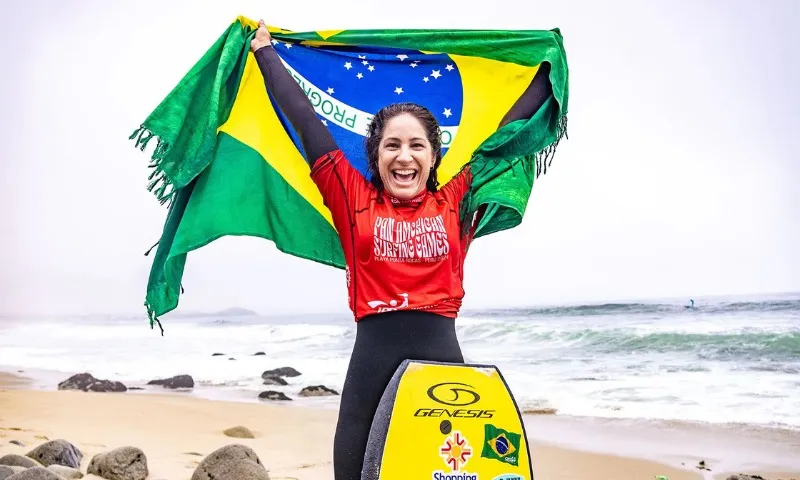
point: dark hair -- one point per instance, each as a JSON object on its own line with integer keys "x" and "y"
{"x": 375, "y": 134}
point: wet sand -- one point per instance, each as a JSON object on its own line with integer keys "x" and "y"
{"x": 176, "y": 431}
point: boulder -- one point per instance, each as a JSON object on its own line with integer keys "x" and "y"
{"x": 178, "y": 381}
{"x": 217, "y": 354}
{"x": 5, "y": 472}
{"x": 239, "y": 432}
{"x": 35, "y": 473}
{"x": 231, "y": 462}
{"x": 124, "y": 463}
{"x": 86, "y": 382}
{"x": 273, "y": 395}
{"x": 281, "y": 372}
{"x": 317, "y": 391}
{"x": 275, "y": 381}
{"x": 66, "y": 472}
{"x": 14, "y": 460}
{"x": 57, "y": 452}
{"x": 259, "y": 354}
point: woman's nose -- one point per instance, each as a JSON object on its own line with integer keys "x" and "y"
{"x": 405, "y": 154}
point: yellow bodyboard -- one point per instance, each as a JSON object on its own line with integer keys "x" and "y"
{"x": 443, "y": 421}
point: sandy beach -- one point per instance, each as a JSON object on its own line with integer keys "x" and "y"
{"x": 176, "y": 431}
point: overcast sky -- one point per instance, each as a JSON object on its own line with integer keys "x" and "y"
{"x": 678, "y": 178}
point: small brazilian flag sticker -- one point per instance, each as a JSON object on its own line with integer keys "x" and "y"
{"x": 500, "y": 445}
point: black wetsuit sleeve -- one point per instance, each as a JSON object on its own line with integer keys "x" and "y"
{"x": 534, "y": 97}
{"x": 292, "y": 101}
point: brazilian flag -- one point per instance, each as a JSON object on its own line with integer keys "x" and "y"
{"x": 228, "y": 162}
{"x": 500, "y": 445}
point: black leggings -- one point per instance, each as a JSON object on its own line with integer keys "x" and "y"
{"x": 383, "y": 341}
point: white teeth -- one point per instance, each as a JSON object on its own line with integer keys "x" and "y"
{"x": 404, "y": 175}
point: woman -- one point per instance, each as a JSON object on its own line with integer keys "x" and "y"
{"x": 402, "y": 239}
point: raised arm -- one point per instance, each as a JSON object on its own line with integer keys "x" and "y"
{"x": 528, "y": 103}
{"x": 533, "y": 98}
{"x": 292, "y": 101}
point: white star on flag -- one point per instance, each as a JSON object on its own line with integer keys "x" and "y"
{"x": 274, "y": 41}
{"x": 436, "y": 74}
{"x": 402, "y": 57}
{"x": 398, "y": 90}
{"x": 449, "y": 68}
{"x": 330, "y": 90}
{"x": 447, "y": 112}
{"x": 362, "y": 57}
{"x": 413, "y": 64}
{"x": 288, "y": 45}
{"x": 371, "y": 68}
{"x": 324, "y": 122}
{"x": 348, "y": 65}
{"x": 360, "y": 75}
{"x": 364, "y": 62}
{"x": 425, "y": 79}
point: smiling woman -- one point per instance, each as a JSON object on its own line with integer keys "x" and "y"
{"x": 404, "y": 149}
{"x": 403, "y": 237}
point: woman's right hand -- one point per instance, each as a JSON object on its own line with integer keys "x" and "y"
{"x": 262, "y": 38}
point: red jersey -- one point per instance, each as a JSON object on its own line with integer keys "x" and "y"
{"x": 400, "y": 255}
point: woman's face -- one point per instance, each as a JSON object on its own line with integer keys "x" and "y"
{"x": 405, "y": 157}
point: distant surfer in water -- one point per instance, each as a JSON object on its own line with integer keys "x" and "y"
{"x": 402, "y": 239}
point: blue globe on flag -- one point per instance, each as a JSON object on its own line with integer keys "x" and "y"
{"x": 501, "y": 445}
{"x": 348, "y": 86}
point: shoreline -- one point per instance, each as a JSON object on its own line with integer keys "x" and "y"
{"x": 46, "y": 380}
{"x": 642, "y": 360}
{"x": 561, "y": 447}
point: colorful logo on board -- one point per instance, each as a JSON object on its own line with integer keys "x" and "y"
{"x": 500, "y": 445}
{"x": 455, "y": 451}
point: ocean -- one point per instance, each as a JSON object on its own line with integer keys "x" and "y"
{"x": 727, "y": 360}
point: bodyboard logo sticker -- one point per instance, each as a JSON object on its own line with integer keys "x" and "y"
{"x": 453, "y": 394}
{"x": 500, "y": 444}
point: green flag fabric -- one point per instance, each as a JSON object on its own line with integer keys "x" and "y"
{"x": 227, "y": 162}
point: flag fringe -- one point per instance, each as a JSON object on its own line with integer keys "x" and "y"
{"x": 542, "y": 157}
{"x": 151, "y": 316}
{"x": 158, "y": 183}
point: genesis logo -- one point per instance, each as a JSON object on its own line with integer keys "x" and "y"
{"x": 453, "y": 394}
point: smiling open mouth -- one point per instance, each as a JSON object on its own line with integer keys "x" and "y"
{"x": 405, "y": 175}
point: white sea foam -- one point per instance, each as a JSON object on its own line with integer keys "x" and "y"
{"x": 722, "y": 362}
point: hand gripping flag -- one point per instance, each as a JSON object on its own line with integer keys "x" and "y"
{"x": 228, "y": 162}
